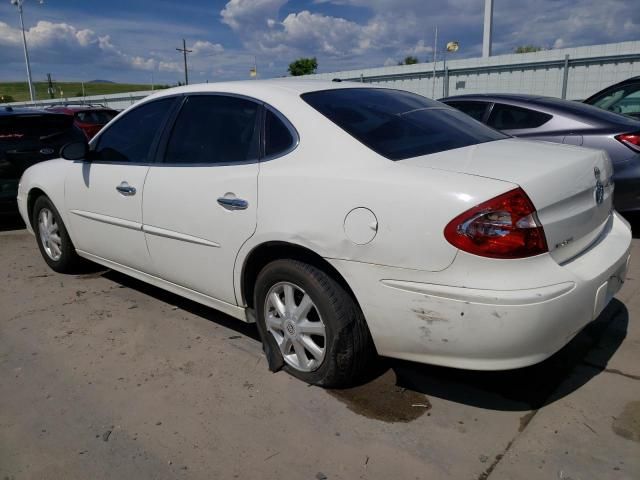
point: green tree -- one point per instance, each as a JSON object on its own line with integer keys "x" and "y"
{"x": 527, "y": 49}
{"x": 6, "y": 99}
{"x": 303, "y": 66}
{"x": 409, "y": 60}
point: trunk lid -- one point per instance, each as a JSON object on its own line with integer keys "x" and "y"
{"x": 570, "y": 186}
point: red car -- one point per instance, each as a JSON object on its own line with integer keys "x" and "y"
{"x": 89, "y": 118}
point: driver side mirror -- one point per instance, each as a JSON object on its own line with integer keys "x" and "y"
{"x": 75, "y": 151}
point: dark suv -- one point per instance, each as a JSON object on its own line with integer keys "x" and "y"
{"x": 29, "y": 136}
{"x": 89, "y": 118}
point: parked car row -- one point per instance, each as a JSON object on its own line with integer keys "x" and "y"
{"x": 30, "y": 135}
{"x": 346, "y": 221}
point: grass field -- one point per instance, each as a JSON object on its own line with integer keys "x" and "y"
{"x": 20, "y": 91}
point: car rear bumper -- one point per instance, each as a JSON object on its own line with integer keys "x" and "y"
{"x": 484, "y": 314}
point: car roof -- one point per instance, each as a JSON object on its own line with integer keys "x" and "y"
{"x": 594, "y": 116}
{"x": 8, "y": 111}
{"x": 489, "y": 97}
{"x": 262, "y": 88}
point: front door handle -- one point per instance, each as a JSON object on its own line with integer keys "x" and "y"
{"x": 125, "y": 189}
{"x": 233, "y": 203}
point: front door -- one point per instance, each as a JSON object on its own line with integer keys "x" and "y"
{"x": 200, "y": 204}
{"x": 104, "y": 194}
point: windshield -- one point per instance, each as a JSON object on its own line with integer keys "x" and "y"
{"x": 96, "y": 117}
{"x": 398, "y": 124}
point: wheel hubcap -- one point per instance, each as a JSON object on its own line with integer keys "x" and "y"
{"x": 49, "y": 234}
{"x": 294, "y": 322}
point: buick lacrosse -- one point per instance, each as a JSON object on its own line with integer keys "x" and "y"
{"x": 346, "y": 220}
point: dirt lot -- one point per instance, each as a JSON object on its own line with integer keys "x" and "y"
{"x": 104, "y": 377}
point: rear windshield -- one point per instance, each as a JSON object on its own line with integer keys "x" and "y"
{"x": 398, "y": 124}
{"x": 96, "y": 117}
{"x": 33, "y": 125}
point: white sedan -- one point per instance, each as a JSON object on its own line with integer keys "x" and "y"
{"x": 346, "y": 220}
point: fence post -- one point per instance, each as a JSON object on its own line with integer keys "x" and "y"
{"x": 445, "y": 87}
{"x": 565, "y": 77}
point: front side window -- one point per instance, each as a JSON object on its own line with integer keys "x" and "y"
{"x": 473, "y": 109}
{"x": 214, "y": 129}
{"x": 625, "y": 100}
{"x": 130, "y": 138}
{"x": 398, "y": 124}
{"x": 509, "y": 117}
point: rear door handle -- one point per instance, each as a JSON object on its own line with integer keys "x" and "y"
{"x": 125, "y": 189}
{"x": 233, "y": 203}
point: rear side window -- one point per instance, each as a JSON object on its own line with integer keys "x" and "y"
{"x": 278, "y": 137}
{"x": 214, "y": 129}
{"x": 98, "y": 117}
{"x": 130, "y": 138}
{"x": 473, "y": 109}
{"x": 397, "y": 124}
{"x": 509, "y": 117}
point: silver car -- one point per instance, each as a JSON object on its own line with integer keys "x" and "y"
{"x": 565, "y": 121}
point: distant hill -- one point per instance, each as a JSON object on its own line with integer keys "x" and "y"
{"x": 19, "y": 91}
{"x": 100, "y": 81}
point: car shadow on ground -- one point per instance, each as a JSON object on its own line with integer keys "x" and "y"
{"x": 527, "y": 388}
{"x": 514, "y": 390}
{"x": 247, "y": 329}
{"x": 10, "y": 222}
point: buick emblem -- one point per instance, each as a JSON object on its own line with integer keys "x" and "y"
{"x": 599, "y": 190}
{"x": 46, "y": 151}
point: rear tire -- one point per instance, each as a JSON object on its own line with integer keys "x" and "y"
{"x": 327, "y": 342}
{"x": 52, "y": 237}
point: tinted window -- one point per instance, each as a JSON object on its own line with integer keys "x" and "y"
{"x": 473, "y": 109}
{"x": 278, "y": 137}
{"x": 15, "y": 127}
{"x": 214, "y": 129}
{"x": 624, "y": 100}
{"x": 399, "y": 124}
{"x": 130, "y": 138}
{"x": 508, "y": 117}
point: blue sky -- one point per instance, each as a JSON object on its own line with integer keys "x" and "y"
{"x": 129, "y": 41}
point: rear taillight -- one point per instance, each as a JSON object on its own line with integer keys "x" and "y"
{"x": 631, "y": 140}
{"x": 504, "y": 227}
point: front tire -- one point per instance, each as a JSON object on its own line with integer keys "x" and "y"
{"x": 313, "y": 324}
{"x": 52, "y": 237}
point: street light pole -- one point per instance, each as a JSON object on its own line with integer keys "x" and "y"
{"x": 18, "y": 4}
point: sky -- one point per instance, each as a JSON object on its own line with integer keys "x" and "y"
{"x": 135, "y": 41}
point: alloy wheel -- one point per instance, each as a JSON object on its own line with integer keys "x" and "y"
{"x": 49, "y": 234}
{"x": 293, "y": 319}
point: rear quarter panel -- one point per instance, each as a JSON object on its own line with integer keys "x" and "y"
{"x": 305, "y": 196}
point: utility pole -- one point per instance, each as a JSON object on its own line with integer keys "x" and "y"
{"x": 18, "y": 5}
{"x": 50, "y": 89}
{"x": 488, "y": 27}
{"x": 184, "y": 53}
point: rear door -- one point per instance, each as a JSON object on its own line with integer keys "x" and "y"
{"x": 200, "y": 203}
{"x": 104, "y": 194}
